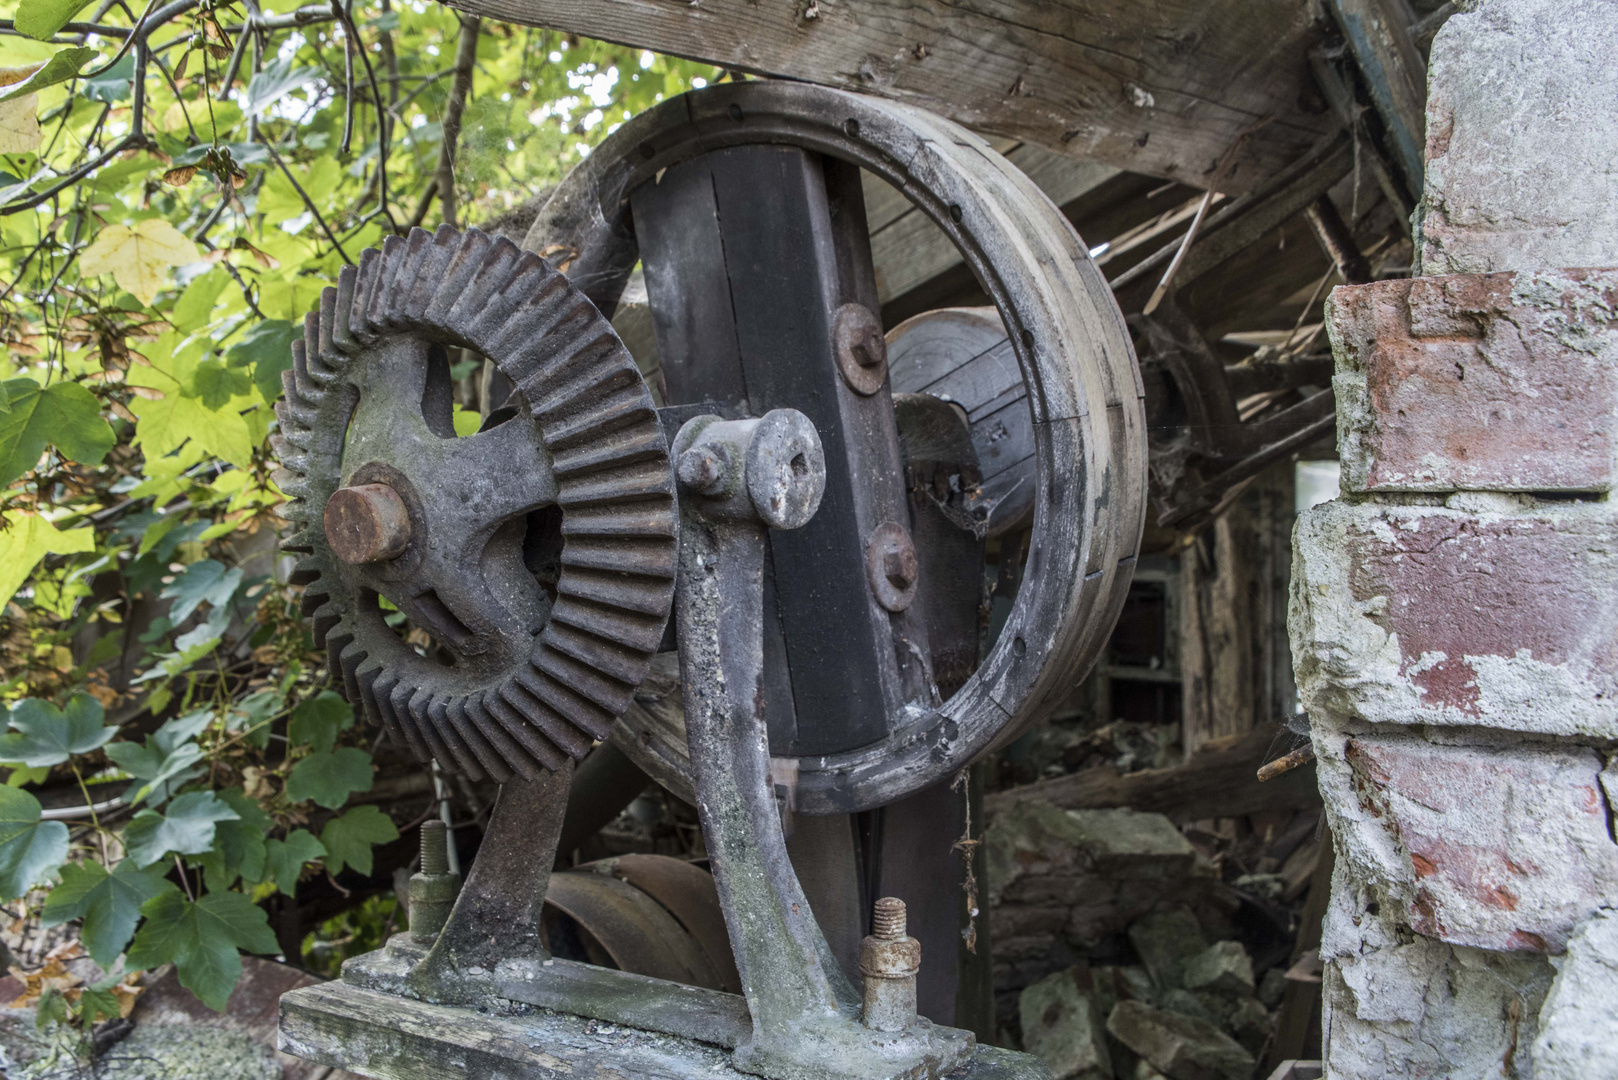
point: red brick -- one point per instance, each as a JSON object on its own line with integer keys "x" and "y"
{"x": 1426, "y": 615}
{"x": 1502, "y": 848}
{"x": 1478, "y": 382}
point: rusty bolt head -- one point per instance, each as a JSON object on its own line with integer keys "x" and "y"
{"x": 368, "y": 523}
{"x": 861, "y": 348}
{"x": 891, "y": 566}
{"x": 702, "y": 470}
{"x": 901, "y": 568}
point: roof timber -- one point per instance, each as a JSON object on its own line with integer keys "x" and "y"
{"x": 1163, "y": 87}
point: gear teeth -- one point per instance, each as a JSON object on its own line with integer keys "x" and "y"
{"x": 349, "y": 659}
{"x": 515, "y": 704}
{"x": 628, "y": 639}
{"x": 486, "y": 709}
{"x": 341, "y": 336}
{"x": 435, "y": 259}
{"x": 649, "y": 557}
{"x": 597, "y": 419}
{"x": 305, "y": 572}
{"x": 463, "y": 757}
{"x": 644, "y": 596}
{"x": 528, "y": 276}
{"x": 462, "y": 268}
{"x": 365, "y": 284}
{"x": 632, "y": 480}
{"x": 577, "y": 708}
{"x": 523, "y": 340}
{"x": 408, "y": 262}
{"x": 298, "y": 540}
{"x": 365, "y": 677}
{"x": 399, "y": 698}
{"x": 338, "y": 638}
{"x": 376, "y": 300}
{"x": 644, "y": 446}
{"x": 325, "y": 324}
{"x": 381, "y": 690}
{"x": 493, "y": 269}
{"x": 507, "y": 756}
{"x": 326, "y": 618}
{"x": 576, "y": 338}
{"x": 438, "y": 711}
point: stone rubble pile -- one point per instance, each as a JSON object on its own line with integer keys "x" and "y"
{"x": 1116, "y": 944}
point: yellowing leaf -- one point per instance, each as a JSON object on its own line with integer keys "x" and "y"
{"x": 138, "y": 258}
{"x": 26, "y": 540}
{"x": 19, "y": 125}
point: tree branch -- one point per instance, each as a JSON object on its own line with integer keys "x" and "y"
{"x": 466, "y": 54}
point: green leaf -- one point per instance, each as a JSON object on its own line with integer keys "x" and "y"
{"x": 109, "y": 904}
{"x": 204, "y": 580}
{"x": 29, "y": 848}
{"x": 196, "y": 304}
{"x": 278, "y": 79}
{"x": 167, "y": 422}
{"x": 64, "y": 414}
{"x": 317, "y": 721}
{"x": 201, "y": 940}
{"x": 239, "y": 845}
{"x": 348, "y": 839}
{"x": 284, "y": 859}
{"x": 267, "y": 347}
{"x": 42, "y": 18}
{"x": 113, "y": 84}
{"x": 41, "y": 734}
{"x": 58, "y": 69}
{"x": 26, "y": 539}
{"x": 187, "y": 828}
{"x": 214, "y": 384}
{"x": 327, "y": 779}
{"x": 159, "y": 766}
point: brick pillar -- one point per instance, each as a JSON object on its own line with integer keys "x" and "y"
{"x": 1454, "y": 616}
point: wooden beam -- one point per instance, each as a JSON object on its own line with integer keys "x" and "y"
{"x": 1378, "y": 33}
{"x": 1220, "y": 781}
{"x": 1163, "y": 87}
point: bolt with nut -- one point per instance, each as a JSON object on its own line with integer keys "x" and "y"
{"x": 889, "y": 962}
{"x": 433, "y": 888}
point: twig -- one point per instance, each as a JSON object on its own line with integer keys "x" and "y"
{"x": 348, "y": 81}
{"x": 466, "y": 55}
{"x": 308, "y": 202}
{"x": 1221, "y": 173}
{"x": 1303, "y": 755}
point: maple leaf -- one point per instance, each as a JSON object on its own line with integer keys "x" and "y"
{"x": 138, "y": 256}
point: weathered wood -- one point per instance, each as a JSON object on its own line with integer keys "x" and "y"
{"x": 1162, "y": 87}
{"x": 1216, "y": 640}
{"x": 395, "y": 1038}
{"x": 909, "y": 250}
{"x": 1220, "y": 781}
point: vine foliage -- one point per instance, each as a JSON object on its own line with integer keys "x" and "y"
{"x": 177, "y": 183}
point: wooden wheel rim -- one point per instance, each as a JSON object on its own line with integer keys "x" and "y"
{"x": 1084, "y": 391}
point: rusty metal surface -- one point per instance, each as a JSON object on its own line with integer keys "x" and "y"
{"x": 640, "y": 935}
{"x": 689, "y": 894}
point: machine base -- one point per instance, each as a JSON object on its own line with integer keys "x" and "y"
{"x": 395, "y": 1038}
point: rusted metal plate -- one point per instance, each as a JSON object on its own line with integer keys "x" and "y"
{"x": 639, "y": 934}
{"x": 689, "y": 895}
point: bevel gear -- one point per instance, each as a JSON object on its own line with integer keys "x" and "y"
{"x": 539, "y": 664}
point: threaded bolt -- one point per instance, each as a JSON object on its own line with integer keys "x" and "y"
{"x": 433, "y": 889}
{"x": 889, "y": 961}
{"x": 888, "y": 921}
{"x": 434, "y": 848}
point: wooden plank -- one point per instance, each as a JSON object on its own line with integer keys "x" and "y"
{"x": 1218, "y": 782}
{"x": 1162, "y": 87}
